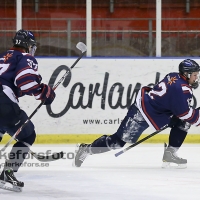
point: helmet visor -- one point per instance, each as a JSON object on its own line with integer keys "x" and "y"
{"x": 32, "y": 50}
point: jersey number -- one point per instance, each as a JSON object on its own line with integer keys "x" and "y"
{"x": 17, "y": 41}
{"x": 161, "y": 92}
{"x": 3, "y": 68}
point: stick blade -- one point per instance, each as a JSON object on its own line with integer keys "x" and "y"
{"x": 82, "y": 47}
{"x": 53, "y": 157}
{"x": 119, "y": 153}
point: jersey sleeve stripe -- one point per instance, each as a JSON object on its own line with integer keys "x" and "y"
{"x": 37, "y": 93}
{"x": 25, "y": 76}
{"x": 24, "y": 72}
{"x": 188, "y": 115}
{"x": 38, "y": 96}
{"x": 197, "y": 123}
{"x": 25, "y": 83}
{"x": 28, "y": 67}
{"x": 186, "y": 91}
{"x": 29, "y": 86}
{"x": 193, "y": 113}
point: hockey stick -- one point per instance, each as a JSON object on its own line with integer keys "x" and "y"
{"x": 53, "y": 157}
{"x": 41, "y": 158}
{"x": 140, "y": 141}
{"x": 83, "y": 48}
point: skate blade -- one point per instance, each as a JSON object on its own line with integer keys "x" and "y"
{"x": 8, "y": 186}
{"x": 168, "y": 165}
{"x": 76, "y": 150}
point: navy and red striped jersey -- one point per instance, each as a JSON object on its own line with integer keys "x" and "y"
{"x": 171, "y": 96}
{"x": 19, "y": 74}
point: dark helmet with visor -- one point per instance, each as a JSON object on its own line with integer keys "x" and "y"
{"x": 187, "y": 67}
{"x": 26, "y": 40}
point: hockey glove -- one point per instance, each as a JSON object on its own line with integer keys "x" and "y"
{"x": 47, "y": 94}
{"x": 174, "y": 121}
{"x": 181, "y": 124}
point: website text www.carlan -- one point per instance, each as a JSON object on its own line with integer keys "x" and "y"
{"x": 102, "y": 121}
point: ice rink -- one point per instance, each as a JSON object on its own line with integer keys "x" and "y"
{"x": 135, "y": 175}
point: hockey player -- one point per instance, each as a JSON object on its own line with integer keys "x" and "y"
{"x": 18, "y": 77}
{"x": 167, "y": 103}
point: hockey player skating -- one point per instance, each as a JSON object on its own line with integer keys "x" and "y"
{"x": 167, "y": 103}
{"x": 18, "y": 77}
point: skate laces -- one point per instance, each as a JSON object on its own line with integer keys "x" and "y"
{"x": 175, "y": 155}
{"x": 83, "y": 156}
{"x": 174, "y": 152}
{"x": 9, "y": 174}
{"x": 83, "y": 152}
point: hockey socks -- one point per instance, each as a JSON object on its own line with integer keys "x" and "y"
{"x": 103, "y": 144}
{"x": 176, "y": 137}
{"x": 106, "y": 143}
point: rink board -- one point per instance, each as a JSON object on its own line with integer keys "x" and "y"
{"x": 96, "y": 95}
{"x": 84, "y": 138}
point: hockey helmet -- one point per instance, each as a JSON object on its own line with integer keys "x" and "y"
{"x": 187, "y": 67}
{"x": 26, "y": 40}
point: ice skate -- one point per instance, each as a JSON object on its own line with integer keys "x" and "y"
{"x": 81, "y": 154}
{"x": 171, "y": 160}
{"x": 8, "y": 181}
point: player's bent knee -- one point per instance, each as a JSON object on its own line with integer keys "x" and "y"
{"x": 31, "y": 138}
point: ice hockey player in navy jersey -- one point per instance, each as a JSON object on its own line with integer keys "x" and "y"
{"x": 18, "y": 77}
{"x": 166, "y": 104}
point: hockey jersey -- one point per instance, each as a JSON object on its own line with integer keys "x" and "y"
{"x": 171, "y": 96}
{"x": 19, "y": 74}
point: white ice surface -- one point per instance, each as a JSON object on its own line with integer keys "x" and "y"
{"x": 135, "y": 175}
